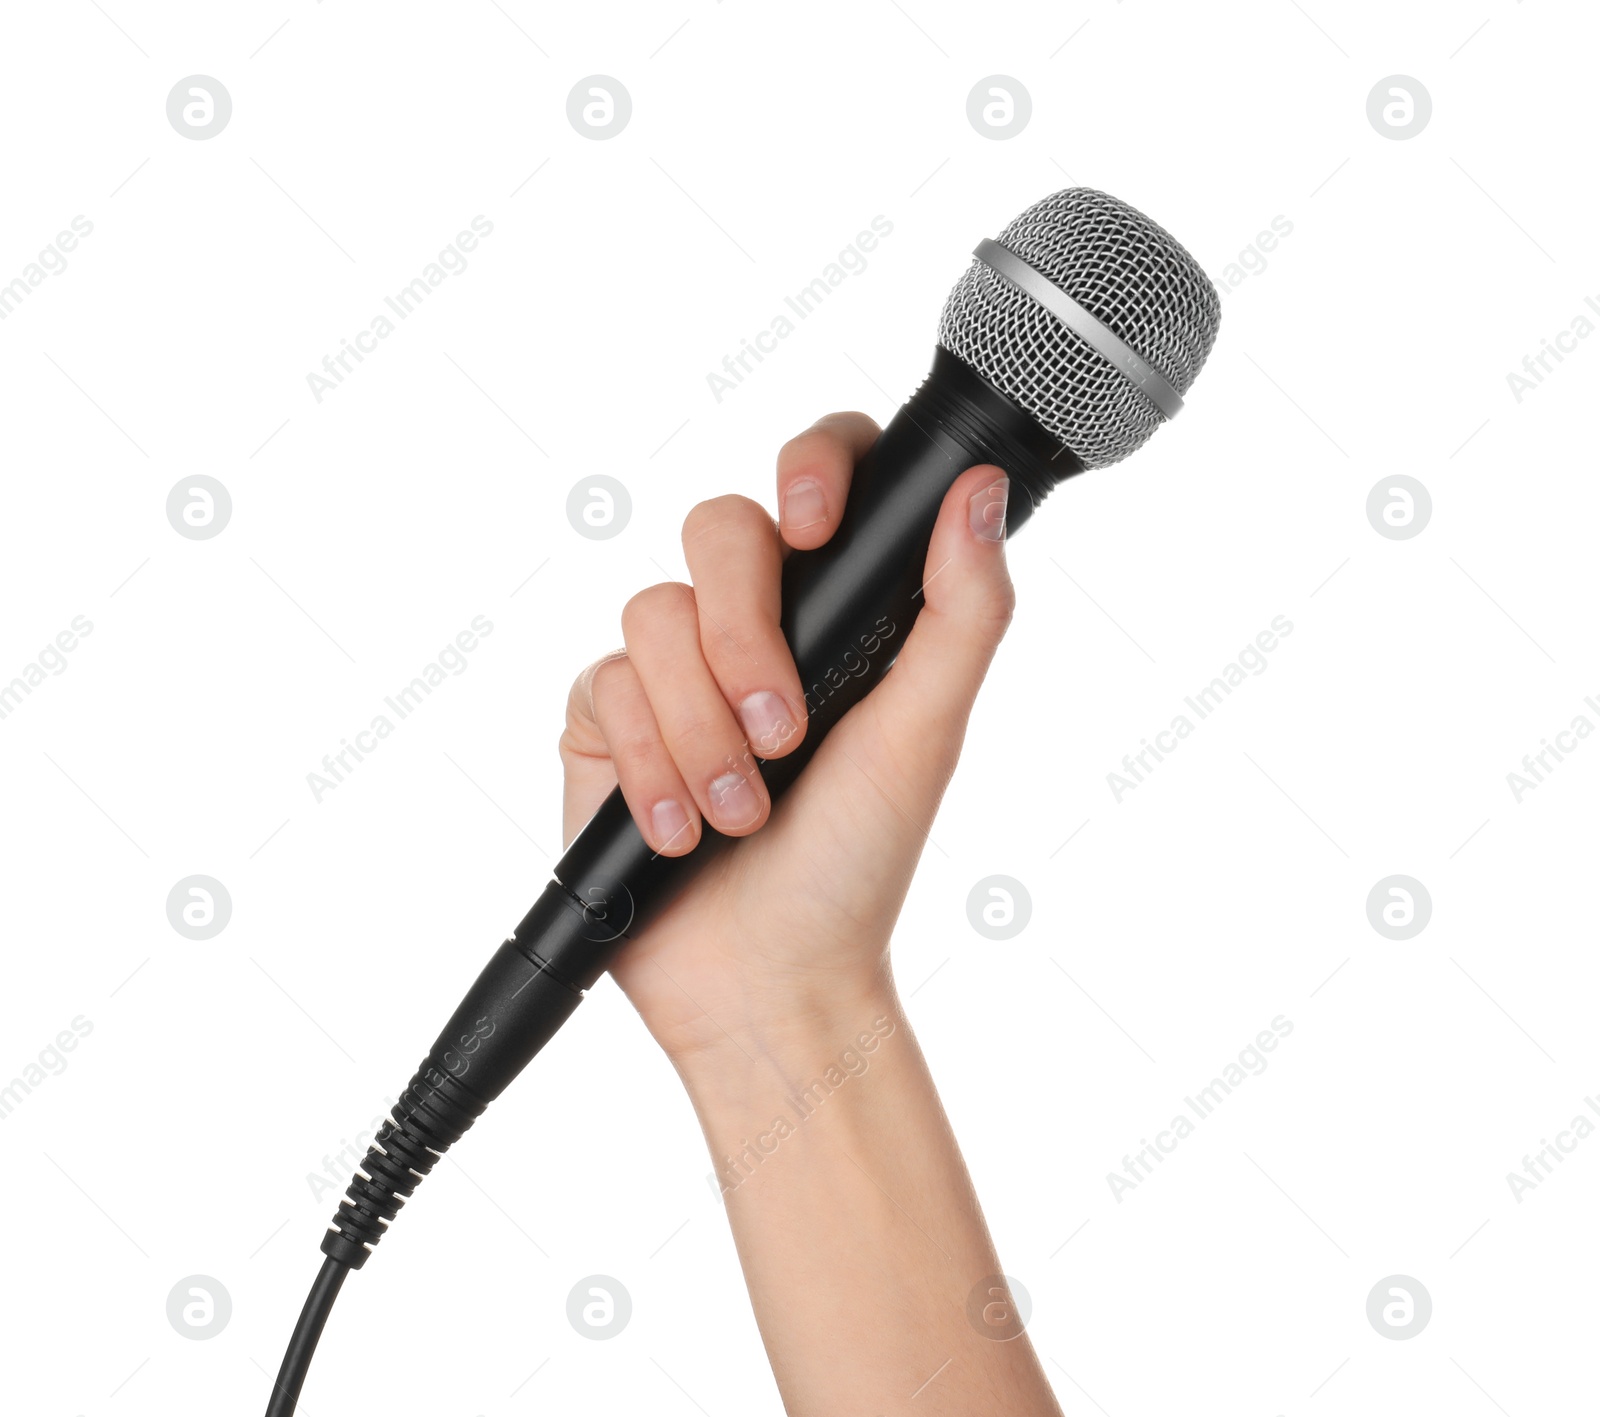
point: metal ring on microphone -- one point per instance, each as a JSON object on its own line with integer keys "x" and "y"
{"x": 1143, "y": 375}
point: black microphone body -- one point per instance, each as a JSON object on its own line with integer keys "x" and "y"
{"x": 847, "y": 609}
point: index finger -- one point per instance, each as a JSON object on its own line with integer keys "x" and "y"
{"x": 814, "y": 471}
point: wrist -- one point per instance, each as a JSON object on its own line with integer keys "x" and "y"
{"x": 837, "y": 1075}
{"x": 771, "y": 1051}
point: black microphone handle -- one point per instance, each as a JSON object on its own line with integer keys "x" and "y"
{"x": 847, "y": 609}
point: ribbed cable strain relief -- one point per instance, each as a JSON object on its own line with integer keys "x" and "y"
{"x": 433, "y": 1113}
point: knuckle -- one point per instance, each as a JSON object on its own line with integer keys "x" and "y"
{"x": 606, "y": 675}
{"x": 852, "y": 419}
{"x": 655, "y": 606}
{"x": 829, "y": 442}
{"x": 735, "y": 650}
{"x": 728, "y": 515}
{"x": 806, "y": 449}
{"x": 997, "y": 610}
{"x": 635, "y": 751}
{"x": 582, "y": 687}
{"x": 696, "y": 735}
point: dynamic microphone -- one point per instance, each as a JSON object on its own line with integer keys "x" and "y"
{"x": 1068, "y": 341}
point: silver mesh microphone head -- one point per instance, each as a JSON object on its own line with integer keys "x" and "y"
{"x": 1130, "y": 276}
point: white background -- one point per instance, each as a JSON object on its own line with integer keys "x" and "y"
{"x": 369, "y": 528}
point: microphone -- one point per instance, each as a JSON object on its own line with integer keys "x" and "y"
{"x": 1063, "y": 347}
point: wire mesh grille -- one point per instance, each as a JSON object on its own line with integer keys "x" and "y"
{"x": 1131, "y": 275}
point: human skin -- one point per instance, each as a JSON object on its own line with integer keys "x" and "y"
{"x": 861, "y": 1238}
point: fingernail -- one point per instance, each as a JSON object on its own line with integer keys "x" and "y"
{"x": 766, "y": 722}
{"x": 734, "y": 803}
{"x": 987, "y": 511}
{"x": 804, "y": 505}
{"x": 670, "y": 823}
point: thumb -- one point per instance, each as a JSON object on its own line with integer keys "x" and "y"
{"x": 967, "y": 604}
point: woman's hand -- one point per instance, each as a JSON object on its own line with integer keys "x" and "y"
{"x": 845, "y": 1190}
{"x": 789, "y": 929}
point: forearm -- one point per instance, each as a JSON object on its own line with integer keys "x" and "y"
{"x": 860, "y": 1235}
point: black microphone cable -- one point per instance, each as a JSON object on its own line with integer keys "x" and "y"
{"x": 303, "y": 1341}
{"x": 513, "y": 1009}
